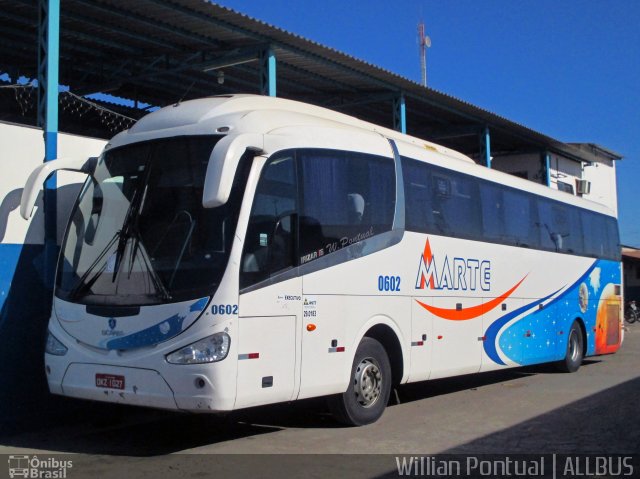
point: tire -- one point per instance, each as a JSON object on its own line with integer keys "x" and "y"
{"x": 368, "y": 393}
{"x": 575, "y": 350}
{"x": 631, "y": 316}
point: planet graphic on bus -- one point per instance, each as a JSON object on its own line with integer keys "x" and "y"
{"x": 608, "y": 321}
{"x": 583, "y": 297}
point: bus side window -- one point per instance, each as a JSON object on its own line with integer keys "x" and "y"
{"x": 269, "y": 240}
{"x": 456, "y": 202}
{"x": 419, "y": 210}
{"x": 346, "y": 197}
{"x": 520, "y": 223}
{"x": 613, "y": 249}
{"x": 493, "y": 212}
{"x": 600, "y": 236}
{"x": 557, "y": 231}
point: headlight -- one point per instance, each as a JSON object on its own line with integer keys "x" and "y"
{"x": 54, "y": 346}
{"x": 208, "y": 350}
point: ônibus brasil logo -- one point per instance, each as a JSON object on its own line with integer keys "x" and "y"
{"x": 462, "y": 274}
{"x": 37, "y": 468}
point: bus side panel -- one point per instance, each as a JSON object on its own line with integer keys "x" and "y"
{"x": 268, "y": 344}
{"x": 609, "y": 317}
{"x": 266, "y": 360}
{"x": 346, "y": 302}
{"x": 508, "y": 341}
{"x": 341, "y": 321}
{"x": 422, "y": 341}
{"x": 456, "y": 342}
{"x": 540, "y": 333}
{"x": 325, "y": 348}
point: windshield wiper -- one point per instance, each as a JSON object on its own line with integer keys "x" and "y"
{"x": 125, "y": 232}
{"x": 128, "y": 231}
{"x": 158, "y": 284}
{"x": 82, "y": 283}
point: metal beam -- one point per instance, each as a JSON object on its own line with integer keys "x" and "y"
{"x": 140, "y": 63}
{"x": 48, "y": 70}
{"x": 366, "y": 99}
{"x": 215, "y": 43}
{"x": 400, "y": 114}
{"x": 155, "y": 25}
{"x": 265, "y": 38}
{"x": 268, "y": 72}
{"x": 546, "y": 168}
{"x": 485, "y": 139}
{"x": 454, "y": 133}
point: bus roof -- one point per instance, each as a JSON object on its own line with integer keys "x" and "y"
{"x": 246, "y": 113}
{"x": 230, "y": 110}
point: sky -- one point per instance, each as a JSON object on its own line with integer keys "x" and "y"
{"x": 569, "y": 69}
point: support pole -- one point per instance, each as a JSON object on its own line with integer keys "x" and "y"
{"x": 546, "y": 167}
{"x": 48, "y": 69}
{"x": 400, "y": 114}
{"x": 268, "y": 73}
{"x": 486, "y": 144}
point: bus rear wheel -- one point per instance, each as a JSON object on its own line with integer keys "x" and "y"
{"x": 575, "y": 350}
{"x": 368, "y": 393}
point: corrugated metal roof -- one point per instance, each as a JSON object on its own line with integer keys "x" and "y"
{"x": 629, "y": 252}
{"x": 155, "y": 51}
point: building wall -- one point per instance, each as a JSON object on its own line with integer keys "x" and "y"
{"x": 24, "y": 298}
{"x": 527, "y": 166}
{"x": 602, "y": 174}
{"x": 564, "y": 171}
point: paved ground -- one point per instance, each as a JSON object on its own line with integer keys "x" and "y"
{"x": 531, "y": 410}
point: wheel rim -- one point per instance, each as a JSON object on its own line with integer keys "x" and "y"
{"x": 367, "y": 382}
{"x": 574, "y": 346}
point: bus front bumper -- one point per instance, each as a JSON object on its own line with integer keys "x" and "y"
{"x": 135, "y": 386}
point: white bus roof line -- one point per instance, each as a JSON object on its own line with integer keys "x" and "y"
{"x": 247, "y": 113}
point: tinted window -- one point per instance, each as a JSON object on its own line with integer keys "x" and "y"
{"x": 600, "y": 235}
{"x": 139, "y": 234}
{"x": 456, "y": 205}
{"x": 346, "y": 197}
{"x": 269, "y": 242}
{"x": 561, "y": 229}
{"x": 493, "y": 212}
{"x": 419, "y": 209}
{"x": 521, "y": 227}
{"x": 613, "y": 239}
{"x": 441, "y": 201}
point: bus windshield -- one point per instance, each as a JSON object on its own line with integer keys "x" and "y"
{"x": 139, "y": 234}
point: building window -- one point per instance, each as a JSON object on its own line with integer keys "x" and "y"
{"x": 566, "y": 187}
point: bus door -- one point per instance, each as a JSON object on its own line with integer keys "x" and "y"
{"x": 268, "y": 334}
{"x": 270, "y": 301}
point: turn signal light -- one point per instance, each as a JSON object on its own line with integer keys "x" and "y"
{"x": 311, "y": 327}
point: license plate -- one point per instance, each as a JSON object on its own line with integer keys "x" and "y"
{"x": 110, "y": 381}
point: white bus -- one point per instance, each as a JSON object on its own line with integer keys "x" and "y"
{"x": 243, "y": 250}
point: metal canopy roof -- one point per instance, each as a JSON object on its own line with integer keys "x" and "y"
{"x": 630, "y": 252}
{"x": 157, "y": 51}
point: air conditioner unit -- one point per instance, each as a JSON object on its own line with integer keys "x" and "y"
{"x": 583, "y": 187}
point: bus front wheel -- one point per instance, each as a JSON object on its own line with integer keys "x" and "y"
{"x": 368, "y": 393}
{"x": 575, "y": 350}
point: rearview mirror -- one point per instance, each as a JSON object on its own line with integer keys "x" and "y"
{"x": 41, "y": 173}
{"x": 223, "y": 165}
